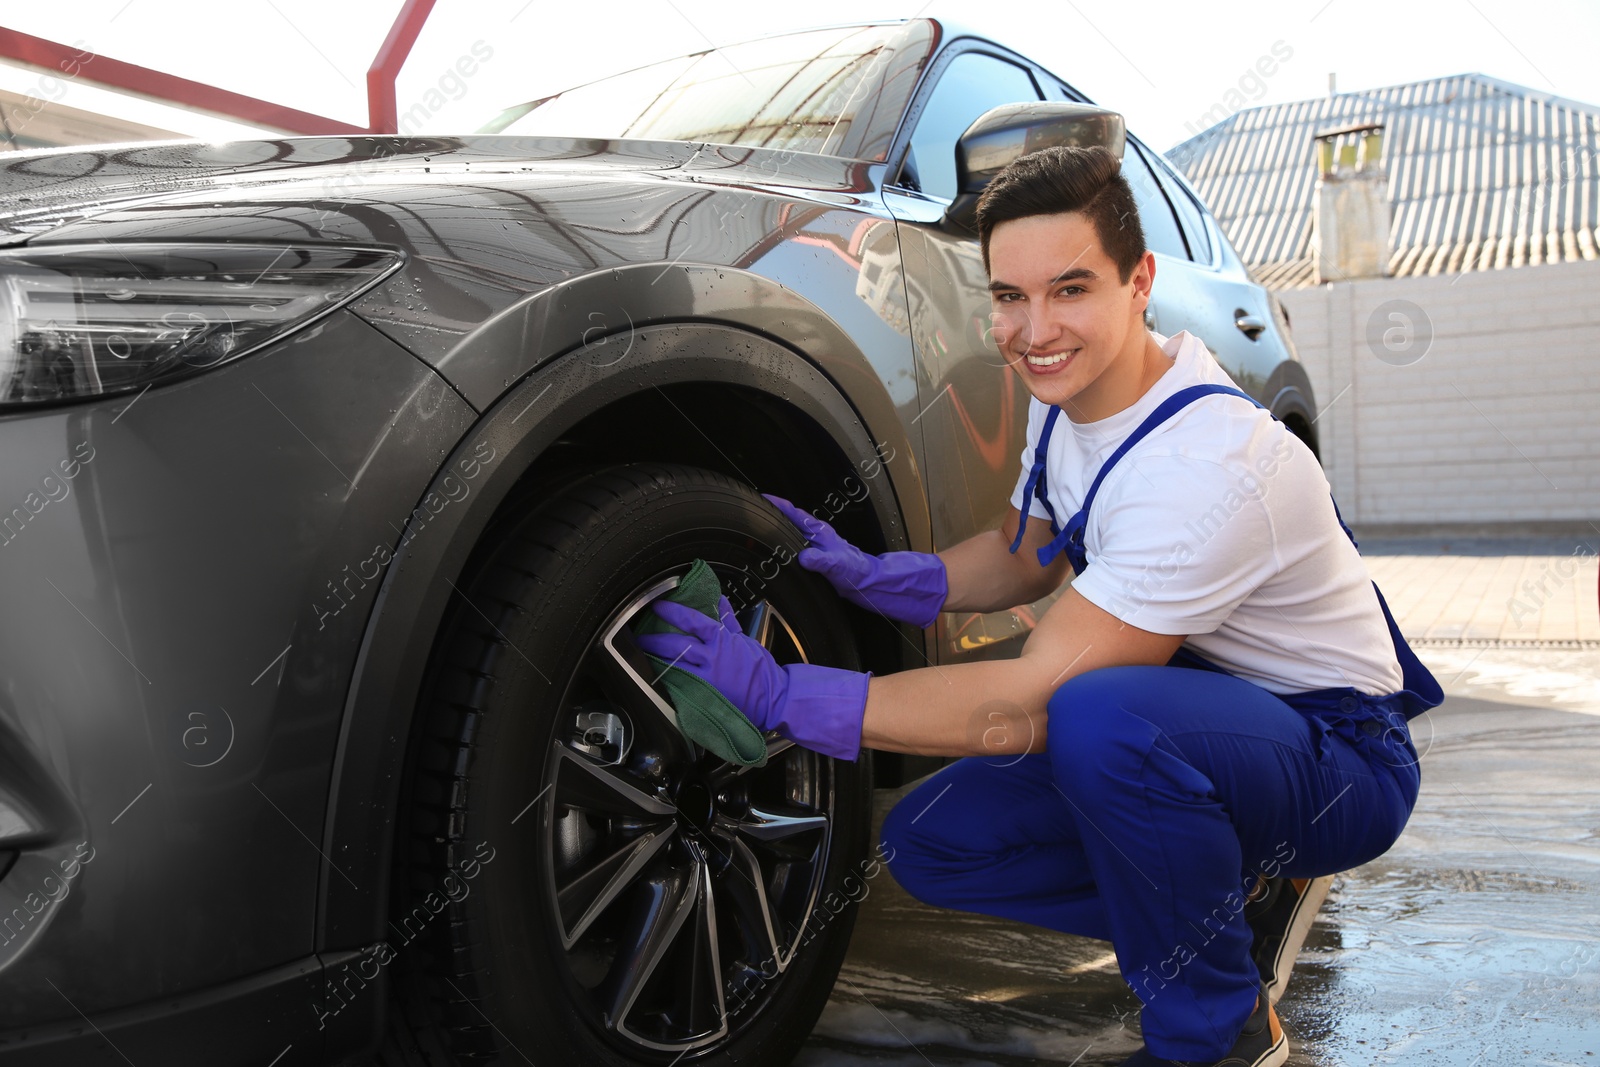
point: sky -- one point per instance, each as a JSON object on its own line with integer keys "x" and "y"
{"x": 1170, "y": 67}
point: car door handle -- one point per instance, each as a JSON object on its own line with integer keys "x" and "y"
{"x": 1251, "y": 326}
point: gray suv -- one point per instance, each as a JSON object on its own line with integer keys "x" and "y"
{"x": 337, "y": 469}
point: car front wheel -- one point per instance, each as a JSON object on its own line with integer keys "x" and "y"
{"x": 607, "y": 891}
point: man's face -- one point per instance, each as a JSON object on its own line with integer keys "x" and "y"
{"x": 1059, "y": 311}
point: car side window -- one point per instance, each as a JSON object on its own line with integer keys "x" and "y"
{"x": 1056, "y": 89}
{"x": 1161, "y": 232}
{"x": 971, "y": 84}
{"x": 1190, "y": 215}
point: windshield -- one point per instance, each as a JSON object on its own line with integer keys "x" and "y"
{"x": 835, "y": 92}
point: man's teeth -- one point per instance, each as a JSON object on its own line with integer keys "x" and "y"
{"x": 1045, "y": 361}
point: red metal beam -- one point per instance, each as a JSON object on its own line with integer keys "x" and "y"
{"x": 60, "y": 59}
{"x": 382, "y": 111}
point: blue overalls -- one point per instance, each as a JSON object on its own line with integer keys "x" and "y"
{"x": 1161, "y": 792}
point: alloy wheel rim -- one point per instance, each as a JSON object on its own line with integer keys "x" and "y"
{"x": 679, "y": 884}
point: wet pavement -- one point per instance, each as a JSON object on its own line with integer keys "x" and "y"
{"x": 1475, "y": 941}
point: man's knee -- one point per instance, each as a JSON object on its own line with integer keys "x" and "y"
{"x": 928, "y": 849}
{"x": 897, "y": 833}
{"x": 911, "y": 853}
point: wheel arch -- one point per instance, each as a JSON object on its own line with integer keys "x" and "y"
{"x": 1292, "y": 400}
{"x": 590, "y": 311}
{"x": 659, "y": 391}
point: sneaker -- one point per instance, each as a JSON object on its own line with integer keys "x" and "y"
{"x": 1261, "y": 1044}
{"x": 1280, "y": 917}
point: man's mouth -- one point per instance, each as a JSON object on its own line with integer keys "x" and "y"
{"x": 1043, "y": 362}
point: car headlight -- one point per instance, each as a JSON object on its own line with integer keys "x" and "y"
{"x": 95, "y": 319}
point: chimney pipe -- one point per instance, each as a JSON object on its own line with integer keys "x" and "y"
{"x": 1350, "y": 220}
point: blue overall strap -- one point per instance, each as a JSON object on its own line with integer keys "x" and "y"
{"x": 1346, "y": 526}
{"x": 1036, "y": 480}
{"x": 1420, "y": 690}
{"x": 1071, "y": 537}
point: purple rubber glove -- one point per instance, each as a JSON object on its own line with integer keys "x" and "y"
{"x": 907, "y": 586}
{"x": 816, "y": 707}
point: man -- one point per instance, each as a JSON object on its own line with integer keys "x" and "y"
{"x": 1214, "y": 708}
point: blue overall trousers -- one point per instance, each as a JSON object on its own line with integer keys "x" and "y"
{"x": 1162, "y": 791}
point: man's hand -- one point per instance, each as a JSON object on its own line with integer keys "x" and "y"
{"x": 905, "y": 586}
{"x": 717, "y": 650}
{"x": 816, "y": 707}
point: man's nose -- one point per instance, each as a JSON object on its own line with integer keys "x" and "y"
{"x": 1039, "y": 330}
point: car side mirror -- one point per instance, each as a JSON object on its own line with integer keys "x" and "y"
{"x": 1004, "y": 133}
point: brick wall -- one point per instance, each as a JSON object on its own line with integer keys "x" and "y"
{"x": 1496, "y": 418}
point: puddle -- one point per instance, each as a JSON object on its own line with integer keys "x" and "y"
{"x": 1559, "y": 678}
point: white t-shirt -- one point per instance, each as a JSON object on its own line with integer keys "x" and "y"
{"x": 1219, "y": 524}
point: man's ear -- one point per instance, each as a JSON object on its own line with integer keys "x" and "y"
{"x": 1143, "y": 279}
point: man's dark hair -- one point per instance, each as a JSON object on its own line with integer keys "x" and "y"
{"x": 1052, "y": 180}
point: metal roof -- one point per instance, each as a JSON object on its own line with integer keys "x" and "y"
{"x": 1483, "y": 174}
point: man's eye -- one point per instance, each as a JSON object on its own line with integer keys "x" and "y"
{"x": 1005, "y": 298}
{"x": 1072, "y": 289}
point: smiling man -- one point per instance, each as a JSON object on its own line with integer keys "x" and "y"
{"x": 1205, "y": 725}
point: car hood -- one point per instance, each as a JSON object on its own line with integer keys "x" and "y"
{"x": 484, "y": 222}
{"x": 44, "y": 189}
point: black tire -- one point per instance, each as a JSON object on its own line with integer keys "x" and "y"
{"x": 506, "y": 796}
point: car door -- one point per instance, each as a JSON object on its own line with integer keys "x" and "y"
{"x": 1229, "y": 313}
{"x": 973, "y": 420}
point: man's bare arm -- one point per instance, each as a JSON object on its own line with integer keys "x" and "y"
{"x": 998, "y": 707}
{"x": 985, "y": 576}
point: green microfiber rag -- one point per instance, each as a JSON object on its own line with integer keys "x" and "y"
{"x": 705, "y": 716}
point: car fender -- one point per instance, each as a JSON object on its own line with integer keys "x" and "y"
{"x": 594, "y": 309}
